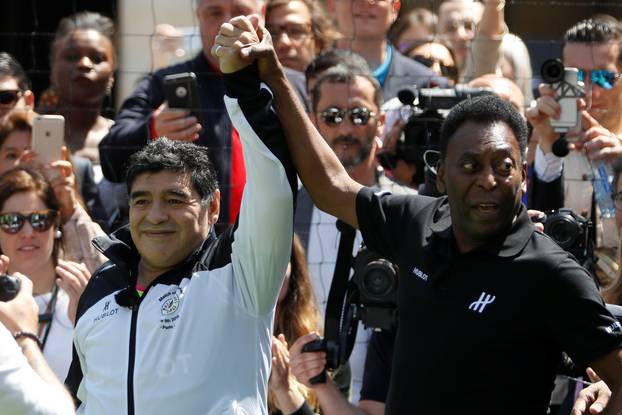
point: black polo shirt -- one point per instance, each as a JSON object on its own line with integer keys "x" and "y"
{"x": 481, "y": 332}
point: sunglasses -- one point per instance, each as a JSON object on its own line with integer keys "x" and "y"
{"x": 41, "y": 221}
{"x": 601, "y": 77}
{"x": 335, "y": 116}
{"x": 446, "y": 70}
{"x": 9, "y": 97}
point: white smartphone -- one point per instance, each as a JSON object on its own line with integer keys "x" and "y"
{"x": 48, "y": 136}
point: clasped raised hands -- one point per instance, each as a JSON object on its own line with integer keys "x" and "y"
{"x": 240, "y": 42}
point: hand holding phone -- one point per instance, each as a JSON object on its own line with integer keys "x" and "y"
{"x": 175, "y": 124}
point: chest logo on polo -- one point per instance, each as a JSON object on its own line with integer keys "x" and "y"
{"x": 613, "y": 327}
{"x": 420, "y": 274}
{"x": 106, "y": 312}
{"x": 169, "y": 308}
{"x": 170, "y": 305}
{"x": 483, "y": 301}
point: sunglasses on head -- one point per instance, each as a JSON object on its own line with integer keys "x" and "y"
{"x": 9, "y": 97}
{"x": 602, "y": 77}
{"x": 334, "y": 115}
{"x": 41, "y": 221}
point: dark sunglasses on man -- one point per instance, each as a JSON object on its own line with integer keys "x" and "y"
{"x": 40, "y": 221}
{"x": 604, "y": 78}
{"x": 448, "y": 71}
{"x": 10, "y": 97}
{"x": 335, "y": 116}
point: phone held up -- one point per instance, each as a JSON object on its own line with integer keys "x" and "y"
{"x": 182, "y": 92}
{"x": 48, "y": 136}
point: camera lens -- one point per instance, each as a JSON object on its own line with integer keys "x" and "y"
{"x": 563, "y": 231}
{"x": 9, "y": 287}
{"x": 552, "y": 71}
{"x": 379, "y": 279}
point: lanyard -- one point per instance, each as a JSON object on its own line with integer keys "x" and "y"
{"x": 45, "y": 319}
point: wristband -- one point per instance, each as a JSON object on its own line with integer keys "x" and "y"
{"x": 29, "y": 335}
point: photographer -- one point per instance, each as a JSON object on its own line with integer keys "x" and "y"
{"x": 482, "y": 278}
{"x": 27, "y": 384}
{"x": 593, "y": 46}
{"x": 346, "y": 111}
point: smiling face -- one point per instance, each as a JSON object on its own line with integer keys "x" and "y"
{"x": 365, "y": 19}
{"x": 168, "y": 220}
{"x": 482, "y": 174}
{"x": 604, "y": 105}
{"x": 82, "y": 67}
{"x": 28, "y": 250}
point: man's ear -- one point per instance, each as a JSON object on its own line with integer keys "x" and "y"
{"x": 523, "y": 184}
{"x": 380, "y": 127}
{"x": 440, "y": 176}
{"x": 214, "y": 208}
{"x": 397, "y": 5}
{"x": 29, "y": 99}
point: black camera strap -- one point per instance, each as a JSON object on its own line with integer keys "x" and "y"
{"x": 46, "y": 318}
{"x": 339, "y": 286}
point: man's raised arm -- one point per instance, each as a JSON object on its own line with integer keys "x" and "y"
{"x": 322, "y": 174}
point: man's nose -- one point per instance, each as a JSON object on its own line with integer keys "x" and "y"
{"x": 283, "y": 39}
{"x": 346, "y": 126}
{"x": 487, "y": 179}
{"x": 157, "y": 213}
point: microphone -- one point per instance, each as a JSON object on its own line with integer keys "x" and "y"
{"x": 560, "y": 147}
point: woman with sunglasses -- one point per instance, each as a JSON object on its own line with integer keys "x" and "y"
{"x": 438, "y": 57}
{"x": 32, "y": 237}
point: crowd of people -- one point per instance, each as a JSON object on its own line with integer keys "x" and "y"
{"x": 185, "y": 258}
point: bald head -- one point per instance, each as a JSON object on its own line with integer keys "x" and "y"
{"x": 211, "y": 14}
{"x": 503, "y": 87}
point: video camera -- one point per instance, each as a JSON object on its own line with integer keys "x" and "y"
{"x": 370, "y": 297}
{"x": 428, "y": 110}
{"x": 9, "y": 287}
{"x": 571, "y": 232}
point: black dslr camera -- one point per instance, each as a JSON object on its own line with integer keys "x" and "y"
{"x": 429, "y": 107}
{"x": 9, "y": 287}
{"x": 370, "y": 297}
{"x": 571, "y": 232}
{"x": 374, "y": 290}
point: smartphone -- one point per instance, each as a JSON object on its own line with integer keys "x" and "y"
{"x": 181, "y": 92}
{"x": 48, "y": 136}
